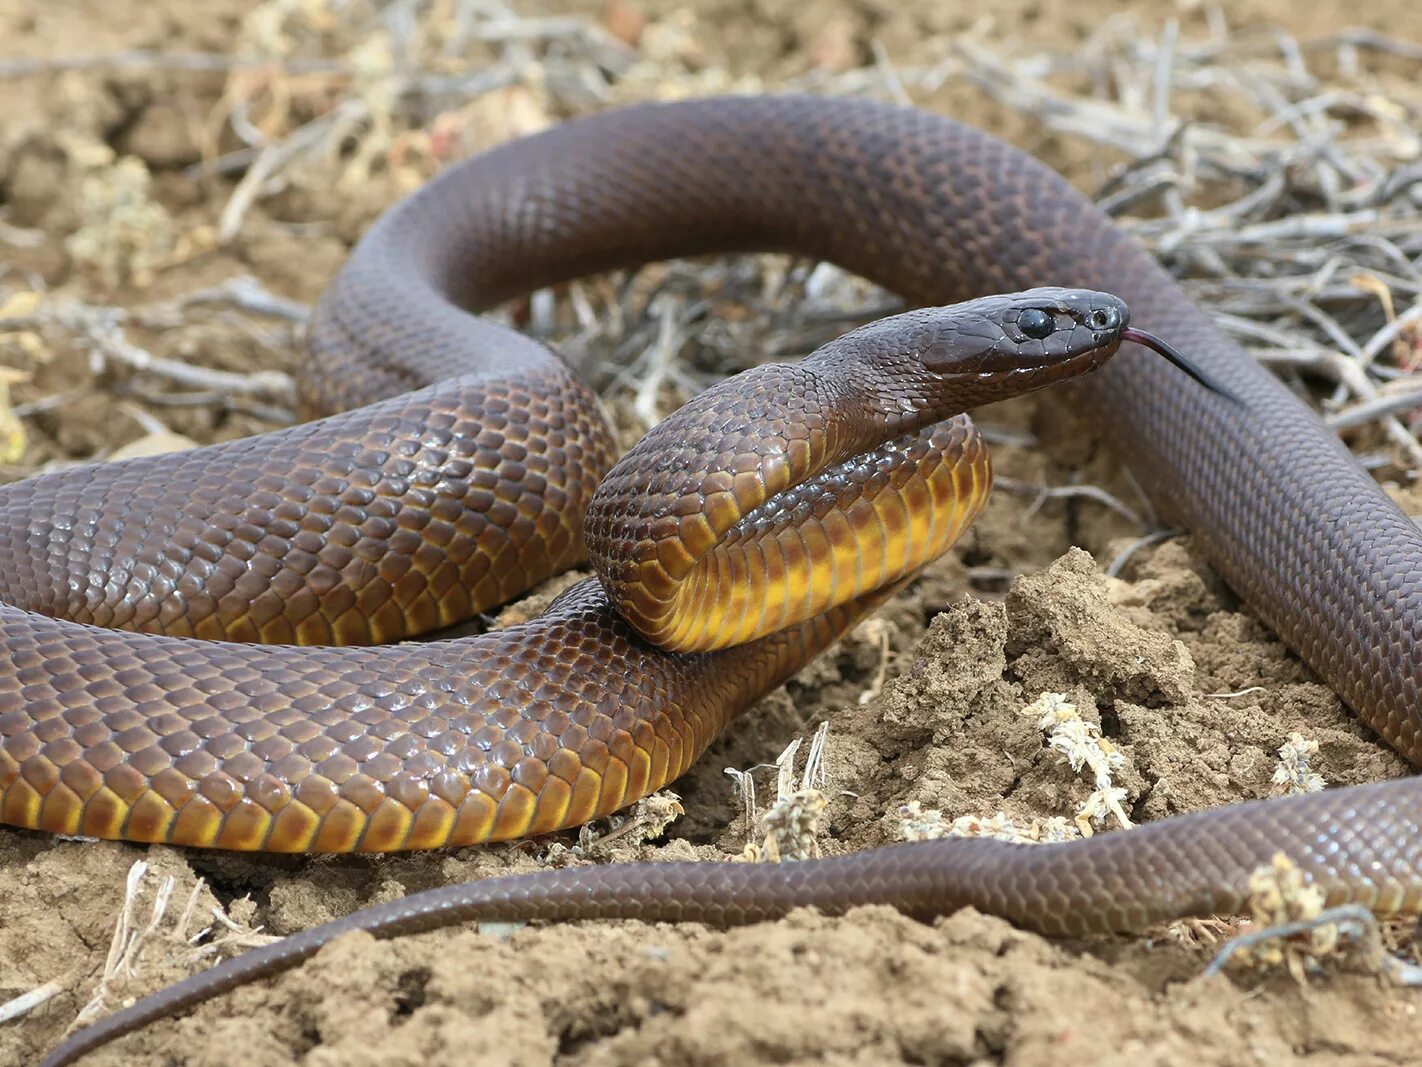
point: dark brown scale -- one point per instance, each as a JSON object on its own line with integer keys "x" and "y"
{"x": 932, "y": 209}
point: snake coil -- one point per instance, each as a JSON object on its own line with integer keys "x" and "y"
{"x": 467, "y": 479}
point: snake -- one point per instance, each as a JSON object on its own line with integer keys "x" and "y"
{"x": 153, "y": 680}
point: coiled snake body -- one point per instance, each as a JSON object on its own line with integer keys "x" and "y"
{"x": 467, "y": 479}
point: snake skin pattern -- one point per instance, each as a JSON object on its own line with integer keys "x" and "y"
{"x": 935, "y": 210}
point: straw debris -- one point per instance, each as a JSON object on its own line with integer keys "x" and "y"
{"x": 647, "y": 821}
{"x": 1082, "y": 745}
{"x": 1293, "y": 775}
{"x": 135, "y": 936}
{"x": 1292, "y": 928}
{"x": 790, "y": 828}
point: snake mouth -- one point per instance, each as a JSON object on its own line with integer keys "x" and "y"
{"x": 1176, "y": 358}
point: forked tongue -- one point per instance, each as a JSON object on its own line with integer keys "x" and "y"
{"x": 1175, "y": 356}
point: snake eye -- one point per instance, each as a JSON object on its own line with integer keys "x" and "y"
{"x": 1035, "y": 323}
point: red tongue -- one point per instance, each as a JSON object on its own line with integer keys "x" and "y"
{"x": 1173, "y": 355}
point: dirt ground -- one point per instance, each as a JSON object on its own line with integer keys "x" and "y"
{"x": 1014, "y": 611}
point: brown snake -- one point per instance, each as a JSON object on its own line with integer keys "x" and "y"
{"x": 469, "y": 482}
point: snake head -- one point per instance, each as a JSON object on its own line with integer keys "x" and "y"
{"x": 946, "y": 359}
{"x": 1061, "y": 331}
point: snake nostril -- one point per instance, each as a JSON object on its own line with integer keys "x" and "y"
{"x": 1103, "y": 319}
